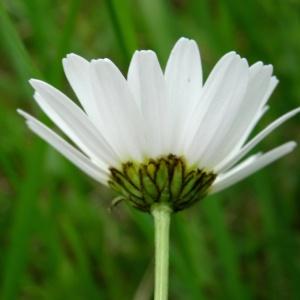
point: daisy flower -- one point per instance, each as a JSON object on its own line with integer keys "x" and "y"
{"x": 162, "y": 136}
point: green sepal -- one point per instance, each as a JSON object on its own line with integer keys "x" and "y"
{"x": 148, "y": 184}
{"x": 188, "y": 176}
{"x": 132, "y": 172}
{"x": 151, "y": 169}
{"x": 206, "y": 182}
{"x": 177, "y": 178}
{"x": 138, "y": 201}
{"x": 129, "y": 187}
{"x": 118, "y": 188}
{"x": 115, "y": 202}
{"x": 189, "y": 184}
{"x": 162, "y": 175}
{"x": 197, "y": 191}
{"x": 191, "y": 198}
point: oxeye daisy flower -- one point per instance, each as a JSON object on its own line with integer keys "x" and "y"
{"x": 162, "y": 139}
{"x": 162, "y": 136}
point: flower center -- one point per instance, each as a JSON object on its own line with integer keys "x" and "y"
{"x": 167, "y": 179}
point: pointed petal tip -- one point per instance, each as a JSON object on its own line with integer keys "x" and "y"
{"x": 31, "y": 80}
{"x": 72, "y": 55}
{"x": 269, "y": 67}
{"x": 238, "y": 57}
{"x": 245, "y": 61}
{"x": 107, "y": 60}
{"x": 67, "y": 59}
{"x": 34, "y": 83}
{"x": 141, "y": 51}
{"x": 258, "y": 63}
{"x": 286, "y": 148}
{"x": 293, "y": 112}
{"x": 103, "y": 64}
{"x": 96, "y": 60}
{"x": 292, "y": 145}
{"x": 145, "y": 52}
{"x": 37, "y": 83}
{"x": 101, "y": 61}
{"x": 232, "y": 52}
{"x": 72, "y": 58}
{"x": 184, "y": 43}
{"x": 229, "y": 55}
{"x": 21, "y": 112}
{"x": 183, "y": 39}
{"x": 261, "y": 65}
{"x": 25, "y": 115}
{"x": 240, "y": 60}
{"x": 275, "y": 80}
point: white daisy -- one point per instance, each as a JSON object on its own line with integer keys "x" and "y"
{"x": 162, "y": 136}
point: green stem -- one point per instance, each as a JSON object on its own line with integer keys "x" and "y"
{"x": 161, "y": 214}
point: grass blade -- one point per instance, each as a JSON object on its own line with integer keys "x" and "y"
{"x": 17, "y": 255}
{"x": 225, "y": 248}
{"x": 120, "y": 15}
{"x": 16, "y": 51}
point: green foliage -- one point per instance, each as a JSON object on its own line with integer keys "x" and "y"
{"x": 57, "y": 238}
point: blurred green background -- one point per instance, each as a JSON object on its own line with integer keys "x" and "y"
{"x": 58, "y": 239}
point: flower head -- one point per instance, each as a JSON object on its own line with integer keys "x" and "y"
{"x": 162, "y": 136}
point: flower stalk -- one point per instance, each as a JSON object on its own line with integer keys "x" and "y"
{"x": 161, "y": 214}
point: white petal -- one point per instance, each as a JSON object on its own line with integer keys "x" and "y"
{"x": 224, "y": 101}
{"x": 258, "y": 91}
{"x": 259, "y": 112}
{"x": 71, "y": 153}
{"x": 184, "y": 66}
{"x": 146, "y": 81}
{"x": 239, "y": 173}
{"x": 118, "y": 108}
{"x": 259, "y": 137}
{"x": 77, "y": 72}
{"x": 221, "y": 130}
{"x": 183, "y": 76}
{"x": 73, "y": 122}
{"x": 211, "y": 86}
